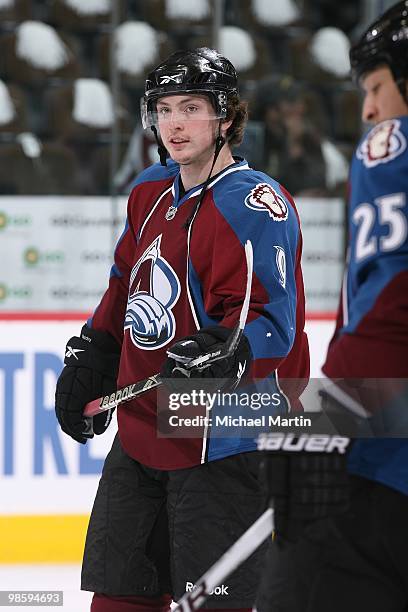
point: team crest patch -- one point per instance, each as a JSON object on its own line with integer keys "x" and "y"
{"x": 264, "y": 198}
{"x": 382, "y": 144}
{"x": 153, "y": 292}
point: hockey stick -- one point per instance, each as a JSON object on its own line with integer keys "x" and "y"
{"x": 207, "y": 359}
{"x": 134, "y": 390}
{"x": 230, "y": 560}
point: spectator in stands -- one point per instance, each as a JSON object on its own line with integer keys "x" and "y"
{"x": 294, "y": 149}
{"x": 35, "y": 53}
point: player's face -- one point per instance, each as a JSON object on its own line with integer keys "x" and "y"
{"x": 382, "y": 98}
{"x": 187, "y": 127}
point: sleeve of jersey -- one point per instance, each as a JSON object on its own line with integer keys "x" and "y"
{"x": 339, "y": 320}
{"x": 271, "y": 322}
{"x": 379, "y": 243}
{"x": 110, "y": 313}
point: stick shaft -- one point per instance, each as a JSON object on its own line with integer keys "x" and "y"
{"x": 236, "y": 334}
{"x": 122, "y": 395}
{"x": 134, "y": 390}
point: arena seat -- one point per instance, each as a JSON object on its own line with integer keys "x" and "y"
{"x": 139, "y": 48}
{"x": 81, "y": 116}
{"x": 53, "y": 171}
{"x": 320, "y": 58}
{"x": 250, "y": 55}
{"x": 13, "y": 111}
{"x": 84, "y": 15}
{"x": 178, "y": 16}
{"x": 261, "y": 15}
{"x": 84, "y": 111}
{"x": 36, "y": 53}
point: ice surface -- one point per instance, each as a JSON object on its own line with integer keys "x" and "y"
{"x": 56, "y": 577}
{"x": 47, "y": 578}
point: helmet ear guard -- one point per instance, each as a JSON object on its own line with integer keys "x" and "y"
{"x": 384, "y": 42}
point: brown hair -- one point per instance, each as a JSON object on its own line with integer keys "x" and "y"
{"x": 237, "y": 110}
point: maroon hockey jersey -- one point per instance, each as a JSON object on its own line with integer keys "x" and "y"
{"x": 171, "y": 278}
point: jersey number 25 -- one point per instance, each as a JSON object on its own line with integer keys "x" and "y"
{"x": 389, "y": 213}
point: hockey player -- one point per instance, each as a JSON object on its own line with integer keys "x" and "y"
{"x": 357, "y": 561}
{"x": 166, "y": 508}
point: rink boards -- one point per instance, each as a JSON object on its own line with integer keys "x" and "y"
{"x": 48, "y": 481}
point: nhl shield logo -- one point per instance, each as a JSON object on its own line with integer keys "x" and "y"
{"x": 382, "y": 144}
{"x": 264, "y": 198}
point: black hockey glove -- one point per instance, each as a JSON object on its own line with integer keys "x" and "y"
{"x": 91, "y": 368}
{"x": 305, "y": 485}
{"x": 208, "y": 340}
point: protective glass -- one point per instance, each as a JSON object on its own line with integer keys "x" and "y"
{"x": 153, "y": 112}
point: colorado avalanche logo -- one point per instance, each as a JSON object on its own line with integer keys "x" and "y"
{"x": 153, "y": 291}
{"x": 382, "y": 144}
{"x": 264, "y": 198}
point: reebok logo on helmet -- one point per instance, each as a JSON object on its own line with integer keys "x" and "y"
{"x": 171, "y": 78}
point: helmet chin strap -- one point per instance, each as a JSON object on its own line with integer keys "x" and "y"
{"x": 161, "y": 149}
{"x": 219, "y": 143}
{"x": 163, "y": 153}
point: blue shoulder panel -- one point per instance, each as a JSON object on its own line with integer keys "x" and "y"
{"x": 256, "y": 209}
{"x": 378, "y": 216}
{"x": 157, "y": 172}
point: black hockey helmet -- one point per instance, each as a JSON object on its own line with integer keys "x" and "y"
{"x": 384, "y": 42}
{"x": 201, "y": 70}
